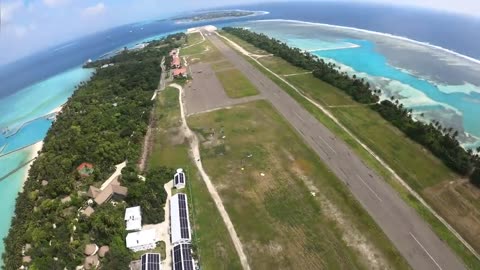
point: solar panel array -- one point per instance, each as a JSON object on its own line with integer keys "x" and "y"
{"x": 182, "y": 208}
{"x": 179, "y": 178}
{"x": 182, "y": 257}
{"x": 151, "y": 261}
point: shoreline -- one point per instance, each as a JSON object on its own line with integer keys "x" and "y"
{"x": 452, "y": 52}
{"x": 35, "y": 148}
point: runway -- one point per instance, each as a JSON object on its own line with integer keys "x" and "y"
{"x": 410, "y": 234}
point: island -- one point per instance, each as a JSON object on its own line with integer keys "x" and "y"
{"x": 216, "y": 15}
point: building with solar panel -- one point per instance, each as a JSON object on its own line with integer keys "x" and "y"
{"x": 179, "y": 220}
{"x": 151, "y": 261}
{"x": 179, "y": 179}
{"x": 182, "y": 257}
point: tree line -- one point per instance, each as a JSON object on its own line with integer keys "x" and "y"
{"x": 440, "y": 141}
{"x": 102, "y": 123}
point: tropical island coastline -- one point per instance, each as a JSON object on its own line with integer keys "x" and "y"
{"x": 210, "y": 16}
{"x": 52, "y": 227}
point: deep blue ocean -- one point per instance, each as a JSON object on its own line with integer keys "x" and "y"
{"x": 33, "y": 86}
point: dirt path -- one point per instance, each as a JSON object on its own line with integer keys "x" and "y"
{"x": 148, "y": 141}
{"x": 195, "y": 154}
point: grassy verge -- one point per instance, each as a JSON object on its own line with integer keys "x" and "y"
{"x": 289, "y": 210}
{"x": 236, "y": 85}
{"x": 281, "y": 67}
{"x": 211, "y": 239}
{"x": 204, "y": 51}
{"x": 313, "y": 90}
{"x": 247, "y": 46}
{"x": 194, "y": 38}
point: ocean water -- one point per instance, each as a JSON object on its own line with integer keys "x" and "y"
{"x": 441, "y": 85}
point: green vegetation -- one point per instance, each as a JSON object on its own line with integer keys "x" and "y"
{"x": 320, "y": 91}
{"x": 212, "y": 243}
{"x": 193, "y": 38}
{"x": 103, "y": 123}
{"x": 204, "y": 51}
{"x": 265, "y": 175}
{"x": 245, "y": 45}
{"x": 440, "y": 141}
{"x": 454, "y": 210}
{"x": 236, "y": 85}
{"x": 213, "y": 15}
{"x": 281, "y": 66}
{"x": 149, "y": 195}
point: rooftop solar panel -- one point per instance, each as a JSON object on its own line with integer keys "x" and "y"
{"x": 151, "y": 261}
{"x": 184, "y": 228}
{"x": 182, "y": 257}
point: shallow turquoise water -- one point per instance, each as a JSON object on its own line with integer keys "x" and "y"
{"x": 31, "y": 133}
{"x": 366, "y": 59}
{"x": 9, "y": 189}
{"x": 40, "y": 98}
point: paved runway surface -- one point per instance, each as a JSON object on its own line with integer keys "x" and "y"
{"x": 206, "y": 93}
{"x": 411, "y": 235}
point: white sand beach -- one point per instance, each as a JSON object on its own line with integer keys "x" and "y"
{"x": 34, "y": 149}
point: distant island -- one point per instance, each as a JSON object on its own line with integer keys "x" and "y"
{"x": 216, "y": 15}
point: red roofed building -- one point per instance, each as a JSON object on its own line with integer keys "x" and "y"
{"x": 176, "y": 62}
{"x": 85, "y": 169}
{"x": 179, "y": 72}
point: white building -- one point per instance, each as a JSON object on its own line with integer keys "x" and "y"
{"x": 141, "y": 240}
{"x": 133, "y": 218}
{"x": 179, "y": 179}
{"x": 179, "y": 221}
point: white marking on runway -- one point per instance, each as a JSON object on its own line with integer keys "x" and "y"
{"x": 365, "y": 183}
{"x": 326, "y": 143}
{"x": 420, "y": 244}
{"x": 299, "y": 117}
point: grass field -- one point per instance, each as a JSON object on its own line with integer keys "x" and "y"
{"x": 451, "y": 211}
{"x": 281, "y": 66}
{"x": 211, "y": 240}
{"x": 204, "y": 51}
{"x": 247, "y": 46}
{"x": 266, "y": 176}
{"x": 236, "y": 85}
{"x": 194, "y": 38}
